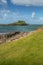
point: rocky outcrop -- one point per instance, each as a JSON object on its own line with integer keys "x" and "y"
{"x": 4, "y": 37}
{"x": 12, "y": 36}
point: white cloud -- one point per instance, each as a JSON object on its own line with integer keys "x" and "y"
{"x": 33, "y": 15}
{"x": 25, "y": 2}
{"x": 41, "y": 18}
{"x": 28, "y": 2}
{"x": 4, "y": 1}
{"x": 4, "y": 14}
{"x": 8, "y": 15}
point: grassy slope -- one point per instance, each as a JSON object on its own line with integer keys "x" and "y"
{"x": 26, "y": 51}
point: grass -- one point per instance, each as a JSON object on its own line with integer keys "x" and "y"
{"x": 25, "y": 51}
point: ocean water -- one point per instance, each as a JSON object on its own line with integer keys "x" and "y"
{"x": 6, "y": 29}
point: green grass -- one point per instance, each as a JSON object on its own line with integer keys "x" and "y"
{"x": 25, "y": 51}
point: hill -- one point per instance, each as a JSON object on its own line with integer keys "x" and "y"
{"x": 25, "y": 51}
{"x": 20, "y": 23}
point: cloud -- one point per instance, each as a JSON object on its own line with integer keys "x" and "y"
{"x": 28, "y": 2}
{"x": 8, "y": 15}
{"x": 33, "y": 15}
{"x": 41, "y": 18}
{"x": 4, "y": 11}
{"x": 25, "y": 2}
{"x": 4, "y": 1}
{"x": 11, "y": 16}
{"x": 4, "y": 14}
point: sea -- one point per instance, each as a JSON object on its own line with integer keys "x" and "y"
{"x": 28, "y": 28}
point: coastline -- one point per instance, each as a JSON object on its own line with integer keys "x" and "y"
{"x": 13, "y": 36}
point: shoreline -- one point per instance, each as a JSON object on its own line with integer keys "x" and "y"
{"x": 27, "y": 34}
{"x": 4, "y": 37}
{"x": 16, "y": 35}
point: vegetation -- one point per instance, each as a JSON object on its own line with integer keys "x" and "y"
{"x": 25, "y": 51}
{"x": 20, "y": 23}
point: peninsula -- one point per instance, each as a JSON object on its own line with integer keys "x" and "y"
{"x": 18, "y": 23}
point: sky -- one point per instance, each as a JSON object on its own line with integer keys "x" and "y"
{"x": 30, "y": 11}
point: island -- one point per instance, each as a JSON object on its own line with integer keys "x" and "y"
{"x": 18, "y": 23}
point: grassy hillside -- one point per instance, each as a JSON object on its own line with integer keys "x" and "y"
{"x": 25, "y": 51}
{"x": 20, "y": 23}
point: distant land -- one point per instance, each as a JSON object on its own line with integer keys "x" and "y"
{"x": 19, "y": 23}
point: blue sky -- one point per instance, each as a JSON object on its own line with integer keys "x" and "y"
{"x": 30, "y": 11}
